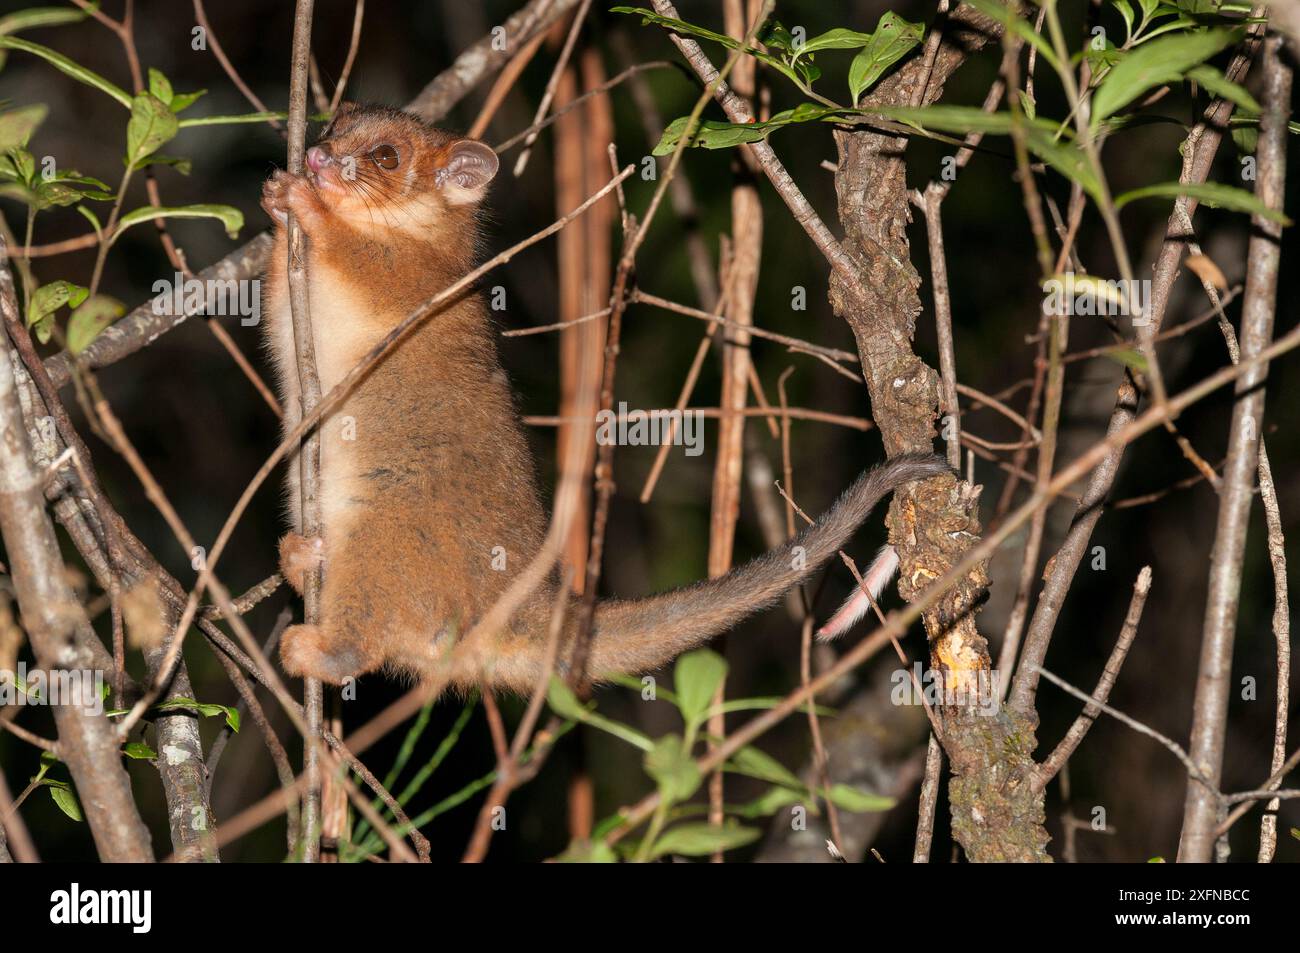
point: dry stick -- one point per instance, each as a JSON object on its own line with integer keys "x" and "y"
{"x": 1213, "y": 684}
{"x": 508, "y": 766}
{"x": 504, "y": 83}
{"x": 1282, "y": 635}
{"x": 1095, "y": 702}
{"x": 928, "y": 801}
{"x": 309, "y": 453}
{"x": 1199, "y": 149}
{"x": 1272, "y": 784}
{"x": 561, "y": 62}
{"x": 52, "y": 617}
{"x": 834, "y": 354}
{"x": 897, "y": 621}
{"x": 14, "y": 830}
{"x": 1061, "y": 753}
{"x": 143, "y": 325}
{"x": 728, "y": 470}
{"x": 215, "y": 45}
{"x": 353, "y": 45}
{"x": 618, "y": 303}
{"x": 931, "y": 202}
{"x": 820, "y": 760}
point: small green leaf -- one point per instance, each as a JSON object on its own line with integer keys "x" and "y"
{"x": 696, "y": 677}
{"x": 893, "y": 38}
{"x": 231, "y": 120}
{"x": 65, "y": 65}
{"x": 160, "y": 86}
{"x": 152, "y": 124}
{"x": 183, "y": 101}
{"x": 1213, "y": 194}
{"x": 1153, "y": 64}
{"x": 97, "y": 313}
{"x": 139, "y": 751}
{"x": 1005, "y": 15}
{"x": 232, "y": 218}
{"x": 696, "y": 840}
{"x": 67, "y": 801}
{"x": 1130, "y": 358}
{"x": 680, "y": 27}
{"x": 17, "y": 125}
{"x": 767, "y": 804}
{"x": 713, "y": 134}
{"x": 672, "y": 768}
{"x": 837, "y": 39}
{"x": 754, "y": 763}
{"x": 50, "y": 298}
{"x": 858, "y": 801}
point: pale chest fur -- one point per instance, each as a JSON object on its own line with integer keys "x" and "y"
{"x": 343, "y": 333}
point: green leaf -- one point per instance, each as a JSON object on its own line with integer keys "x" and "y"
{"x": 152, "y": 124}
{"x": 1213, "y": 194}
{"x": 1126, "y": 11}
{"x": 696, "y": 677}
{"x": 232, "y": 218}
{"x": 66, "y": 800}
{"x": 565, "y": 704}
{"x": 1153, "y": 64}
{"x": 17, "y": 125}
{"x": 65, "y": 65}
{"x": 50, "y": 298}
{"x": 97, "y": 313}
{"x": 207, "y": 709}
{"x": 754, "y": 763}
{"x": 672, "y": 768}
{"x": 837, "y": 39}
{"x": 35, "y": 17}
{"x": 1219, "y": 85}
{"x": 857, "y": 801}
{"x": 94, "y": 221}
{"x": 681, "y": 27}
{"x": 714, "y": 134}
{"x": 696, "y": 840}
{"x": 893, "y": 38}
{"x": 183, "y": 101}
{"x": 1130, "y": 358}
{"x": 771, "y": 802}
{"x": 139, "y": 751}
{"x": 230, "y": 120}
{"x": 160, "y": 86}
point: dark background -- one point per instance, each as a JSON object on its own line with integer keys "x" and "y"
{"x": 203, "y": 430}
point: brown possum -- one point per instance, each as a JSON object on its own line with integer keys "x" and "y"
{"x": 426, "y": 475}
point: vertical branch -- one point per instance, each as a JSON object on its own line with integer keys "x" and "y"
{"x": 584, "y": 250}
{"x": 747, "y": 247}
{"x": 57, "y": 626}
{"x": 309, "y": 455}
{"x": 1210, "y": 705}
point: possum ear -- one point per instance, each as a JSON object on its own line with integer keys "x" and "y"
{"x": 468, "y": 168}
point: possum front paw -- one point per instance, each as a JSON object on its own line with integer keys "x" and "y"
{"x": 299, "y": 556}
{"x": 283, "y": 193}
{"x": 305, "y": 652}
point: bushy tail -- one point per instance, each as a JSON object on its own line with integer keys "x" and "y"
{"x": 636, "y": 635}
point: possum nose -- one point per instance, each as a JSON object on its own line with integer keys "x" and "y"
{"x": 317, "y": 158}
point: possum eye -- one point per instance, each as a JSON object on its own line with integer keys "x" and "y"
{"x": 384, "y": 156}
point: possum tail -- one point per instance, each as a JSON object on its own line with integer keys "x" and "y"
{"x": 636, "y": 635}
